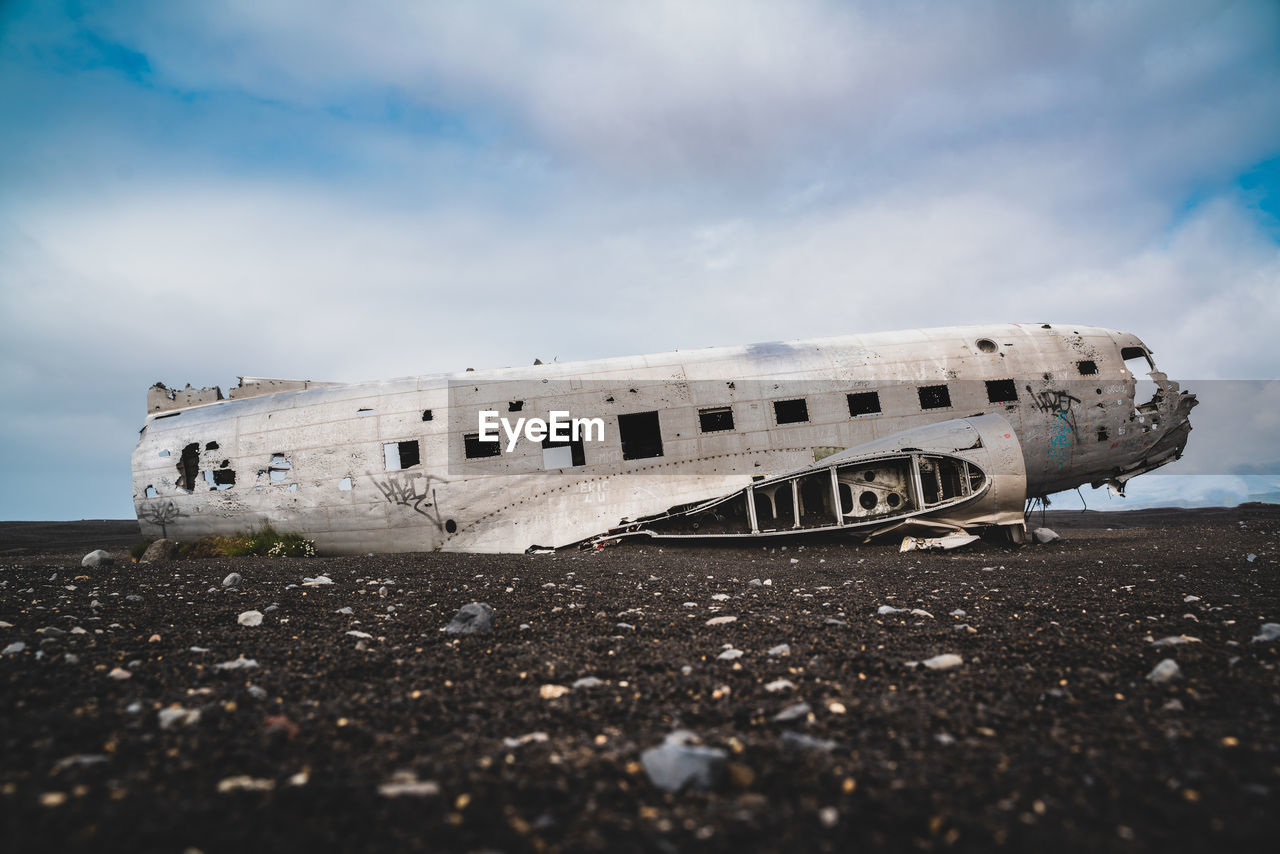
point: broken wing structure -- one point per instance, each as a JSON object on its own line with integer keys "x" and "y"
{"x": 923, "y": 431}
{"x": 939, "y": 478}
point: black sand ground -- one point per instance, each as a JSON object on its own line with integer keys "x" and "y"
{"x": 1048, "y": 736}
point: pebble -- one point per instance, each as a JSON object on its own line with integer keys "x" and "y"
{"x": 588, "y": 682}
{"x": 177, "y": 716}
{"x": 720, "y": 597}
{"x": 730, "y": 655}
{"x": 527, "y": 738}
{"x": 133, "y": 597}
{"x": 240, "y": 663}
{"x": 472, "y": 618}
{"x": 1191, "y": 599}
{"x": 97, "y": 557}
{"x": 780, "y": 649}
{"x": 755, "y": 582}
{"x": 677, "y": 764}
{"x": 959, "y": 613}
{"x": 1175, "y": 640}
{"x": 318, "y": 581}
{"x": 404, "y": 783}
{"x": 829, "y": 816}
{"x": 346, "y": 611}
{"x": 358, "y": 634}
{"x": 779, "y": 685}
{"x": 1045, "y": 535}
{"x": 795, "y": 712}
{"x": 232, "y": 580}
{"x": 721, "y": 621}
{"x": 119, "y": 674}
{"x": 1165, "y": 671}
{"x": 257, "y": 692}
{"x": 801, "y": 741}
{"x": 245, "y": 783}
{"x": 946, "y": 661}
{"x": 14, "y": 648}
{"x": 1268, "y": 633}
{"x": 832, "y": 621}
{"x": 551, "y": 692}
{"x": 250, "y": 618}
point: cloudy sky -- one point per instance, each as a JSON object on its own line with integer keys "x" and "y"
{"x": 339, "y": 191}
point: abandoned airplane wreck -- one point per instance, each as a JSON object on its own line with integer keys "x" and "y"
{"x": 935, "y": 430}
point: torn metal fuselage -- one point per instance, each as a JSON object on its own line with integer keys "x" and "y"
{"x": 758, "y": 440}
{"x": 948, "y": 476}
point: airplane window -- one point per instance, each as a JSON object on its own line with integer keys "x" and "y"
{"x": 863, "y": 403}
{"x": 791, "y": 411}
{"x": 934, "y": 397}
{"x": 476, "y": 449}
{"x": 400, "y": 455}
{"x": 641, "y": 435}
{"x": 1002, "y": 391}
{"x": 563, "y": 455}
{"x": 715, "y": 420}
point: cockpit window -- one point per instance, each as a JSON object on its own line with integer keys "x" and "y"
{"x": 1131, "y": 355}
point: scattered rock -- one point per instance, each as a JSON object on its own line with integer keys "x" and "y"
{"x": 958, "y": 612}
{"x": 678, "y": 763}
{"x": 1045, "y": 535}
{"x": 796, "y": 712}
{"x": 588, "y": 682}
{"x": 721, "y": 621}
{"x": 780, "y": 649}
{"x": 1191, "y": 599}
{"x": 97, "y": 557}
{"x": 472, "y": 618}
{"x": 133, "y": 597}
{"x": 1251, "y": 557}
{"x": 720, "y": 597}
{"x": 1175, "y": 640}
{"x": 527, "y": 738}
{"x": 755, "y": 582}
{"x": 232, "y": 580}
{"x": 946, "y": 661}
{"x": 119, "y": 674}
{"x": 779, "y": 685}
{"x": 800, "y": 741}
{"x": 406, "y": 783}
{"x": 18, "y": 646}
{"x": 240, "y": 663}
{"x": 730, "y": 655}
{"x": 318, "y": 581}
{"x": 160, "y": 551}
{"x": 884, "y": 610}
{"x": 245, "y": 783}
{"x": 1165, "y": 671}
{"x": 1268, "y": 633}
{"x": 250, "y": 618}
{"x": 357, "y": 634}
{"x": 551, "y": 692}
{"x": 347, "y": 610}
{"x": 832, "y": 621}
{"x": 176, "y": 716}
{"x": 51, "y": 631}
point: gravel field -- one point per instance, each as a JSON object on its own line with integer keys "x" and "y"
{"x": 142, "y": 710}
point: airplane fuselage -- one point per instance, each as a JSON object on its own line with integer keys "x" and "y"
{"x": 398, "y": 465}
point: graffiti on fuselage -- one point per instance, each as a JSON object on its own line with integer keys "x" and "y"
{"x": 407, "y": 491}
{"x": 1061, "y": 405}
